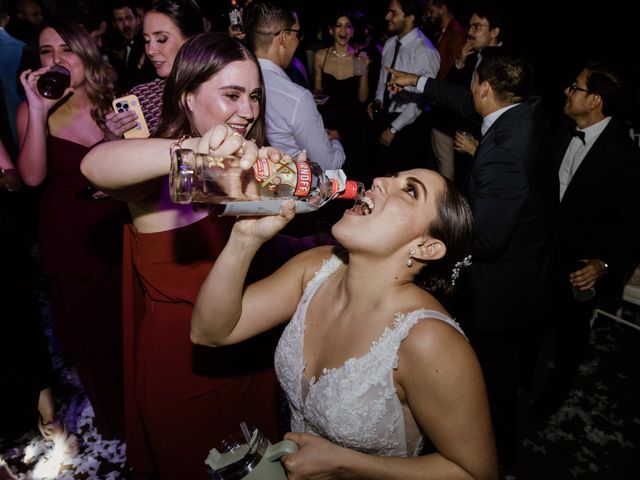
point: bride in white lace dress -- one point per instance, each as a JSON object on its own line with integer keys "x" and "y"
{"x": 371, "y": 363}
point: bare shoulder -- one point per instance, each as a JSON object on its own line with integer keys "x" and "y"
{"x": 310, "y": 261}
{"x": 434, "y": 342}
{"x": 321, "y": 52}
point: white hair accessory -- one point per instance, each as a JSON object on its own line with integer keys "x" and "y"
{"x": 455, "y": 272}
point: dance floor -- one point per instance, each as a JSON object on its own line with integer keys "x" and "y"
{"x": 595, "y": 435}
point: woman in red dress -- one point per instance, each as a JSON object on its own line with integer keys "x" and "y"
{"x": 80, "y": 228}
{"x": 182, "y": 400}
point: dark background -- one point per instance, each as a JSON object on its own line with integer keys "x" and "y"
{"x": 559, "y": 37}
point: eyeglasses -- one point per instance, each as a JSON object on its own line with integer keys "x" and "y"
{"x": 574, "y": 86}
{"x": 478, "y": 26}
{"x": 299, "y": 33}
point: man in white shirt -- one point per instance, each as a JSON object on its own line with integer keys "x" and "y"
{"x": 409, "y": 50}
{"x": 598, "y": 225}
{"x": 293, "y": 122}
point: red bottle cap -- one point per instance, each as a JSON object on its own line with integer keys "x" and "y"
{"x": 350, "y": 192}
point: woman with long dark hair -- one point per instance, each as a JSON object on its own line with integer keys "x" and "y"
{"x": 182, "y": 400}
{"x": 166, "y": 26}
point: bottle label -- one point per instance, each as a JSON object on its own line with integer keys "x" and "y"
{"x": 303, "y": 183}
{"x": 284, "y": 178}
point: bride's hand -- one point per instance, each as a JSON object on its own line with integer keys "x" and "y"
{"x": 263, "y": 228}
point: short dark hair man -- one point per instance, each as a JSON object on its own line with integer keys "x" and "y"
{"x": 598, "y": 232}
{"x": 400, "y": 124}
{"x": 293, "y": 122}
{"x": 512, "y": 191}
{"x": 126, "y": 51}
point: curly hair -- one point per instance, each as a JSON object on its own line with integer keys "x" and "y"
{"x": 99, "y": 85}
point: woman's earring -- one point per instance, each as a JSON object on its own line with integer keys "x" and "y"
{"x": 409, "y": 262}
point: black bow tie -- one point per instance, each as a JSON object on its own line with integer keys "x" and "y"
{"x": 580, "y": 135}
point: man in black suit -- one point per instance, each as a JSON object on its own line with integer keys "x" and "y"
{"x": 598, "y": 233}
{"x": 512, "y": 191}
{"x": 126, "y": 48}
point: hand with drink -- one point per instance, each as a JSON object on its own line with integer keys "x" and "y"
{"x": 465, "y": 142}
{"x": 46, "y": 86}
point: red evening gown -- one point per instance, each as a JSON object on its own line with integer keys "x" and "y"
{"x": 80, "y": 239}
{"x": 181, "y": 400}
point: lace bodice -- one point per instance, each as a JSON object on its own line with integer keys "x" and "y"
{"x": 355, "y": 405}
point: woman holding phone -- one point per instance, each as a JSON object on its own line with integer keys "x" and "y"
{"x": 167, "y": 25}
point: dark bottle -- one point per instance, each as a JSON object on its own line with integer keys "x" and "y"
{"x": 54, "y": 82}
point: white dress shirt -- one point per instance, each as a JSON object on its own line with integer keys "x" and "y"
{"x": 490, "y": 119}
{"x": 416, "y": 55}
{"x": 293, "y": 122}
{"x": 576, "y": 151}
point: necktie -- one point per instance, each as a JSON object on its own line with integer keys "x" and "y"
{"x": 385, "y": 97}
{"x": 580, "y": 135}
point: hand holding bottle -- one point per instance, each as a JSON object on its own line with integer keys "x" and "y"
{"x": 29, "y": 81}
{"x": 231, "y": 171}
{"x": 222, "y": 140}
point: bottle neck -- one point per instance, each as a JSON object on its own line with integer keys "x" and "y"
{"x": 352, "y": 191}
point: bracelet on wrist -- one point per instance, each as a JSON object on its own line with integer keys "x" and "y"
{"x": 177, "y": 145}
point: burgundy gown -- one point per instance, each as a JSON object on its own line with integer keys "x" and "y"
{"x": 81, "y": 246}
{"x": 181, "y": 400}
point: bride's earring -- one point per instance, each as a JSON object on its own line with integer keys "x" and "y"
{"x": 409, "y": 262}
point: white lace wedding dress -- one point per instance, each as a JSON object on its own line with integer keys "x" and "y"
{"x": 355, "y": 405}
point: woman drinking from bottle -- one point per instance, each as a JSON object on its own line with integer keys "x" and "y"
{"x": 80, "y": 230}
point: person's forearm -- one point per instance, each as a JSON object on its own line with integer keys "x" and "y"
{"x": 363, "y": 88}
{"x": 219, "y": 304}
{"x": 407, "y": 116}
{"x": 361, "y": 466}
{"x": 122, "y": 164}
{"x": 32, "y": 159}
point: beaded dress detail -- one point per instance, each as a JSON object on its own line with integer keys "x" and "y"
{"x": 354, "y": 405}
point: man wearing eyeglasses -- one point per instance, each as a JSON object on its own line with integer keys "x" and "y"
{"x": 293, "y": 122}
{"x": 598, "y": 232}
{"x": 485, "y": 28}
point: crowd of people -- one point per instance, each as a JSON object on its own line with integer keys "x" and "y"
{"x": 399, "y": 339}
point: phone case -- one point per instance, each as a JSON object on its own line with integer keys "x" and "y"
{"x": 131, "y": 102}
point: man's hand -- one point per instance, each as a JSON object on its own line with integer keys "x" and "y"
{"x": 467, "y": 49}
{"x": 400, "y": 79}
{"x": 586, "y": 277}
{"x": 374, "y": 107}
{"x": 386, "y": 137}
{"x": 333, "y": 134}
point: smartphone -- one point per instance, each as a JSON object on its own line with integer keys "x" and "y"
{"x": 131, "y": 102}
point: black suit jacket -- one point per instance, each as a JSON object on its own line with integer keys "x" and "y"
{"x": 129, "y": 75}
{"x": 513, "y": 190}
{"x": 599, "y": 215}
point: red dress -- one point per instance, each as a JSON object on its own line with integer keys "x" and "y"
{"x": 81, "y": 245}
{"x": 181, "y": 400}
